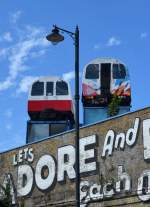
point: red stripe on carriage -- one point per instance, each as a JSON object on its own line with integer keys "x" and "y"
{"x": 40, "y": 105}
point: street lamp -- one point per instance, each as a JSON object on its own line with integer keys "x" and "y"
{"x": 55, "y": 37}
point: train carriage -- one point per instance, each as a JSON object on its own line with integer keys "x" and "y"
{"x": 50, "y": 99}
{"x": 102, "y": 79}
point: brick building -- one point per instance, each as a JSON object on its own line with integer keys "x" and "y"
{"x": 114, "y": 165}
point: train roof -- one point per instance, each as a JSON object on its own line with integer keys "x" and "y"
{"x": 105, "y": 60}
{"x": 49, "y": 78}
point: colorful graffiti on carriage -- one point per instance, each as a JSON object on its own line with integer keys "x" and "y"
{"x": 104, "y": 78}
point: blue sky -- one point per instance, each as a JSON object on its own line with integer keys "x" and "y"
{"x": 108, "y": 28}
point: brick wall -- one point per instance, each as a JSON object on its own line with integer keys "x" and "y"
{"x": 99, "y": 183}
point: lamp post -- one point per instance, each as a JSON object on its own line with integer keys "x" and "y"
{"x": 55, "y": 37}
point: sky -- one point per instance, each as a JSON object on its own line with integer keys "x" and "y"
{"x": 108, "y": 28}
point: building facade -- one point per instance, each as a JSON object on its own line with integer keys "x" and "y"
{"x": 114, "y": 166}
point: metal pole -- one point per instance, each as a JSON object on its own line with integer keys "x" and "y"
{"x": 77, "y": 97}
{"x": 77, "y": 116}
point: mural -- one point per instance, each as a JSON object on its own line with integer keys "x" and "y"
{"x": 91, "y": 88}
{"x": 112, "y": 165}
{"x": 121, "y": 87}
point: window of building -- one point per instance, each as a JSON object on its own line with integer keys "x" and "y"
{"x": 119, "y": 71}
{"x": 92, "y": 71}
{"x": 49, "y": 88}
{"x": 37, "y": 89}
{"x": 61, "y": 88}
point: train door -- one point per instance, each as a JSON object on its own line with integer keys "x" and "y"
{"x": 105, "y": 79}
{"x": 50, "y": 95}
{"x": 121, "y": 84}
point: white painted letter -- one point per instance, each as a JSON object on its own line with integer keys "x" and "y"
{"x": 20, "y": 156}
{"x": 66, "y": 162}
{"x": 123, "y": 177}
{"x": 25, "y": 153}
{"x": 84, "y": 197}
{"x": 144, "y": 191}
{"x": 132, "y": 133}
{"x": 42, "y": 182}
{"x": 15, "y": 160}
{"x": 25, "y": 180}
{"x": 146, "y": 138}
{"x": 30, "y": 155}
{"x": 95, "y": 192}
{"x": 120, "y": 138}
{"x": 87, "y": 154}
{"x": 109, "y": 142}
{"x": 108, "y": 190}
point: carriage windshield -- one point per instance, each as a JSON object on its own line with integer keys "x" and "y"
{"x": 49, "y": 88}
{"x": 37, "y": 89}
{"x": 119, "y": 71}
{"x": 61, "y": 88}
{"x": 92, "y": 71}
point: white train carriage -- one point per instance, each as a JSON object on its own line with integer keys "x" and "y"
{"x": 103, "y": 78}
{"x": 50, "y": 99}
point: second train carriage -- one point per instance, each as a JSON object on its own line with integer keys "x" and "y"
{"x": 50, "y": 99}
{"x": 103, "y": 78}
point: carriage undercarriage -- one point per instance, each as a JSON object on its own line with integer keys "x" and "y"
{"x": 51, "y": 114}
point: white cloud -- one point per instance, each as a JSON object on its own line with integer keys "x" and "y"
{"x": 7, "y": 36}
{"x": 15, "y": 16}
{"x": 69, "y": 76}
{"x": 33, "y": 42}
{"x": 113, "y": 41}
{"x": 25, "y": 84}
{"x": 33, "y": 31}
{"x": 6, "y": 84}
{"x": 36, "y": 54}
{"x": 143, "y": 35}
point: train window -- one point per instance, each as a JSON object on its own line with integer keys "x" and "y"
{"x": 49, "y": 88}
{"x": 61, "y": 88}
{"x": 92, "y": 71}
{"x": 37, "y": 89}
{"x": 119, "y": 71}
{"x": 37, "y": 131}
{"x": 58, "y": 128}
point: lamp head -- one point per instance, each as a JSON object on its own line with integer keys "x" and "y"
{"x": 55, "y": 37}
